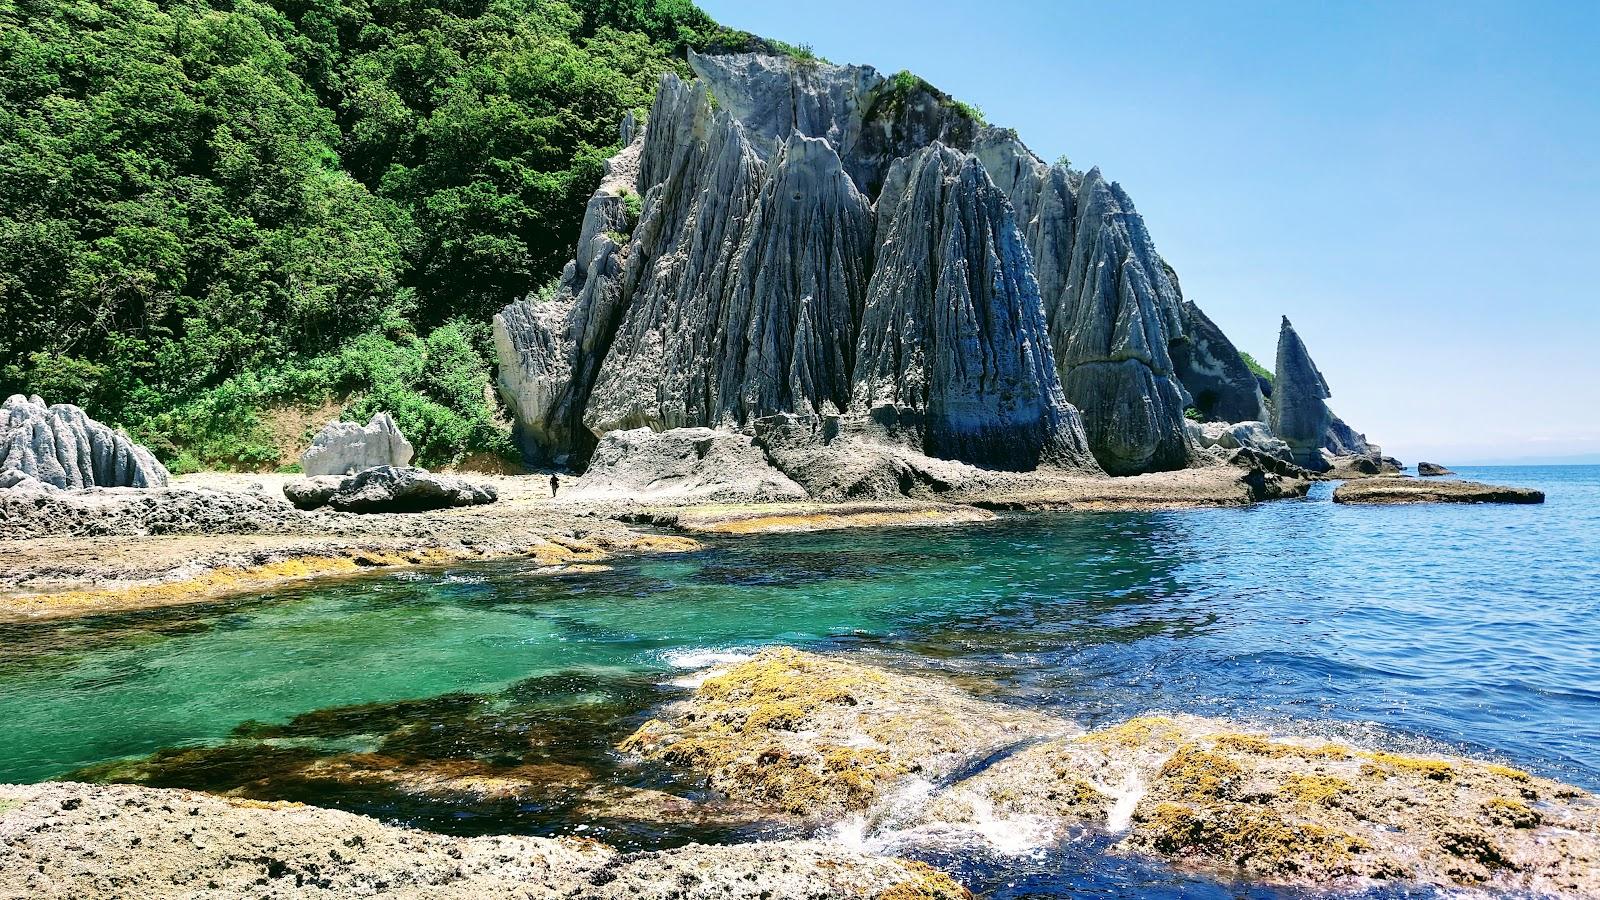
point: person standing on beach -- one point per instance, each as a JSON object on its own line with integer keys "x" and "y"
{"x": 555, "y": 485}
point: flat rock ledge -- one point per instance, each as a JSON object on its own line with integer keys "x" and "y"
{"x": 1410, "y": 490}
{"x": 87, "y": 842}
{"x": 823, "y": 736}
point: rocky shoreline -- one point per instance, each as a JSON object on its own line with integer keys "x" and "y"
{"x": 856, "y": 755}
{"x": 69, "y": 841}
{"x": 214, "y": 535}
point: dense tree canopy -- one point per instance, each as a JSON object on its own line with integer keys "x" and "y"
{"x": 207, "y": 208}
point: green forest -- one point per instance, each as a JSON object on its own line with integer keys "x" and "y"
{"x": 212, "y": 212}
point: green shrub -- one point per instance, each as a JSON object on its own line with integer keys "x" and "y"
{"x": 1255, "y": 367}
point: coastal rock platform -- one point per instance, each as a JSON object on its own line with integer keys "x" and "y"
{"x": 1409, "y": 490}
{"x": 88, "y": 842}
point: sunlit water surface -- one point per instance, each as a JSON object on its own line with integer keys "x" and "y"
{"x": 1465, "y": 629}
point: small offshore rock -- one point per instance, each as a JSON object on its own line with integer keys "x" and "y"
{"x": 1427, "y": 469}
{"x": 1410, "y": 490}
{"x": 61, "y": 446}
{"x": 344, "y": 448}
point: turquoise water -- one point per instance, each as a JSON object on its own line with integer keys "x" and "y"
{"x": 1467, "y": 629}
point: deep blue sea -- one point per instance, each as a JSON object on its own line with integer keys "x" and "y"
{"x": 1467, "y": 629}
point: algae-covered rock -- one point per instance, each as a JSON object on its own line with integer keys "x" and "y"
{"x": 826, "y": 736}
{"x": 816, "y": 736}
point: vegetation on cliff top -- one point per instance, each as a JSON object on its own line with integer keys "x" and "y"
{"x": 208, "y": 209}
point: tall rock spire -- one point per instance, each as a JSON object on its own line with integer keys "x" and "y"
{"x": 1300, "y": 414}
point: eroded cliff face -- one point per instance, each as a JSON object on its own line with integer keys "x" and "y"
{"x": 761, "y": 278}
{"x": 794, "y": 237}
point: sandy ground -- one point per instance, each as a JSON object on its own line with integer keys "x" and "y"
{"x": 212, "y": 535}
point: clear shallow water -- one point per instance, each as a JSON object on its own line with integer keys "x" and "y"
{"x": 1468, "y": 629}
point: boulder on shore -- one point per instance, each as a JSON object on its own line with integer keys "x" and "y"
{"x": 825, "y": 736}
{"x": 1427, "y": 469}
{"x": 1410, "y": 490}
{"x": 62, "y": 447}
{"x": 386, "y": 489}
{"x": 345, "y": 448}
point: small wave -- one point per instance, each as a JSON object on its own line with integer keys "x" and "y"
{"x": 703, "y": 662}
{"x": 705, "y": 657}
{"x": 898, "y": 823}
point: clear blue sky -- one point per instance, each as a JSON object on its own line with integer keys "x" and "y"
{"x": 1416, "y": 185}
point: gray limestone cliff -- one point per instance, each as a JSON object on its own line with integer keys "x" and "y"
{"x": 62, "y": 447}
{"x": 1211, "y": 368}
{"x": 761, "y": 278}
{"x": 793, "y": 238}
{"x": 1114, "y": 306}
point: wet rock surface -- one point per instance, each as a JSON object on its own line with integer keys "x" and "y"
{"x": 87, "y": 842}
{"x": 1428, "y": 469}
{"x": 62, "y": 447}
{"x": 1400, "y": 489}
{"x": 345, "y": 448}
{"x": 796, "y": 731}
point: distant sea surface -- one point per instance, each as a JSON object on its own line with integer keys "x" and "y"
{"x": 1461, "y": 629}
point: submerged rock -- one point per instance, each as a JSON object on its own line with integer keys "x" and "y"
{"x": 345, "y": 448}
{"x": 66, "y": 841}
{"x": 824, "y": 736}
{"x": 61, "y": 446}
{"x": 1427, "y": 469}
{"x": 386, "y": 489}
{"x": 1410, "y": 490}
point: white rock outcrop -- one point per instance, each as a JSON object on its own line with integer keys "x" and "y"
{"x": 60, "y": 446}
{"x": 345, "y": 448}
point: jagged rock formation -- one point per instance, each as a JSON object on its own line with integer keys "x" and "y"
{"x": 1342, "y": 440}
{"x": 954, "y": 327}
{"x": 760, "y": 279}
{"x": 1114, "y": 306}
{"x": 1210, "y": 368}
{"x": 822, "y": 241}
{"x": 344, "y": 448}
{"x": 62, "y": 447}
{"x": 1300, "y": 415}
